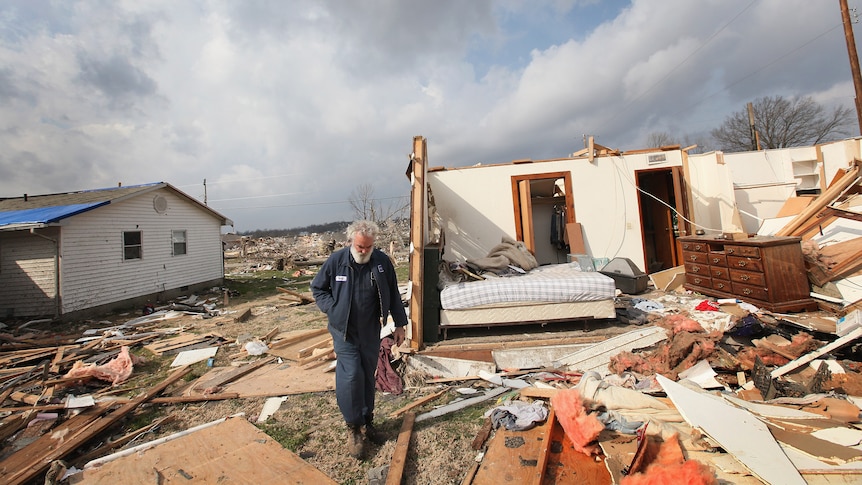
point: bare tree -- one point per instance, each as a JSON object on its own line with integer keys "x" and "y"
{"x": 366, "y": 206}
{"x": 658, "y": 139}
{"x": 782, "y": 123}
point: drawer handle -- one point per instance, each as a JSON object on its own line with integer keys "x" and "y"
{"x": 730, "y": 251}
{"x": 742, "y": 264}
{"x": 697, "y": 281}
{"x": 718, "y": 273}
{"x": 746, "y": 291}
{"x": 744, "y": 277}
{"x": 720, "y": 286}
{"x": 697, "y": 247}
{"x": 695, "y": 269}
{"x": 716, "y": 260}
{"x": 693, "y": 257}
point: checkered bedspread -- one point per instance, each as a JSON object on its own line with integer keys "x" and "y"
{"x": 552, "y": 283}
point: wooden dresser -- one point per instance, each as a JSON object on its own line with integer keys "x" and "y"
{"x": 768, "y": 272}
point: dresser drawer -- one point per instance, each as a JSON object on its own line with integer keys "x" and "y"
{"x": 747, "y": 277}
{"x": 717, "y": 259}
{"x": 697, "y": 269}
{"x": 698, "y": 280}
{"x": 697, "y": 246}
{"x": 748, "y": 264}
{"x": 745, "y": 251}
{"x": 721, "y": 285}
{"x": 719, "y": 272}
{"x": 748, "y": 291}
{"x": 691, "y": 257}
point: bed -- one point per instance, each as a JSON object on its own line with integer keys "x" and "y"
{"x": 553, "y": 293}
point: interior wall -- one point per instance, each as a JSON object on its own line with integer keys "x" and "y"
{"x": 476, "y": 206}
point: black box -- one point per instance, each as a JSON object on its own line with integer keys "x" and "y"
{"x": 628, "y": 278}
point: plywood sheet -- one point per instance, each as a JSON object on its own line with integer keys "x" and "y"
{"x": 274, "y": 380}
{"x": 234, "y": 451}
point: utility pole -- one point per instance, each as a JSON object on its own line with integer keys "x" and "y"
{"x": 755, "y": 137}
{"x": 205, "y": 191}
{"x": 854, "y": 59}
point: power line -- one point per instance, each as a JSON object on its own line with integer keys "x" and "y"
{"x": 307, "y": 204}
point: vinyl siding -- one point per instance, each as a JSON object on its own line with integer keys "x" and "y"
{"x": 94, "y": 273}
{"x": 27, "y": 274}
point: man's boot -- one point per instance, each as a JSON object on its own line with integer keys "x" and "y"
{"x": 372, "y": 434}
{"x": 355, "y": 442}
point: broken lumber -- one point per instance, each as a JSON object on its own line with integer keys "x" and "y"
{"x": 235, "y": 374}
{"x": 418, "y": 402}
{"x": 243, "y": 316}
{"x": 399, "y": 456}
{"x": 304, "y": 299}
{"x": 837, "y": 344}
{"x": 27, "y": 463}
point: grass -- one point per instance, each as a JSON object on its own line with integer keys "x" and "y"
{"x": 290, "y": 437}
{"x": 263, "y": 284}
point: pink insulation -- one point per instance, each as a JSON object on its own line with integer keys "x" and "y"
{"x": 581, "y": 428}
{"x": 114, "y": 371}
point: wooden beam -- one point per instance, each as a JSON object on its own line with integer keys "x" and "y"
{"x": 837, "y": 344}
{"x": 399, "y": 456}
{"x": 416, "y": 172}
{"x": 305, "y": 299}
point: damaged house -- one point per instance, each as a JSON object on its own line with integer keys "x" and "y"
{"x": 94, "y": 250}
{"x": 638, "y": 206}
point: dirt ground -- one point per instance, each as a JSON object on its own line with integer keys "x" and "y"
{"x": 310, "y": 424}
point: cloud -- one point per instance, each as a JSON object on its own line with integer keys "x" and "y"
{"x": 286, "y": 108}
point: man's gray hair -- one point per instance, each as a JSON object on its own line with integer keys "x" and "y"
{"x": 364, "y": 227}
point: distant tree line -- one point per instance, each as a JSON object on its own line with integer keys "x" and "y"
{"x": 339, "y": 226}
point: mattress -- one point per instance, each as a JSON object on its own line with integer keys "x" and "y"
{"x": 528, "y": 313}
{"x": 558, "y": 283}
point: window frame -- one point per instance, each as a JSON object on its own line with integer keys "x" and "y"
{"x": 129, "y": 247}
{"x": 184, "y": 242}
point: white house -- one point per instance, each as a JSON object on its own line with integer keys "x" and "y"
{"x": 81, "y": 252}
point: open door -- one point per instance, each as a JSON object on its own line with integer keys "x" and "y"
{"x": 544, "y": 206}
{"x": 660, "y": 197}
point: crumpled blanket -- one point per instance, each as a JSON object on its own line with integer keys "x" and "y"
{"x": 114, "y": 371}
{"x": 508, "y": 252}
{"x": 386, "y": 379}
{"x": 518, "y": 415}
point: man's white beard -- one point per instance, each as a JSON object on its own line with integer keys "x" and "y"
{"x": 360, "y": 258}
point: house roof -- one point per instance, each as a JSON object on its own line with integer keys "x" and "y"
{"x": 37, "y": 210}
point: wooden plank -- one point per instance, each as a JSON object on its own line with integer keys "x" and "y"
{"x": 305, "y": 352}
{"x": 234, "y": 451}
{"x": 242, "y": 317}
{"x": 399, "y": 456}
{"x": 837, "y": 344}
{"x": 235, "y": 374}
{"x": 275, "y": 380}
{"x": 737, "y": 431}
{"x": 794, "y": 205}
{"x": 304, "y": 299}
{"x": 575, "y": 234}
{"x": 515, "y": 457}
{"x": 418, "y": 402}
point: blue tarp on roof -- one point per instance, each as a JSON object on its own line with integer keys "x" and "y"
{"x": 45, "y": 215}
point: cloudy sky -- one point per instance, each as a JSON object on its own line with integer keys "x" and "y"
{"x": 287, "y": 107}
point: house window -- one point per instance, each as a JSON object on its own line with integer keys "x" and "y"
{"x": 131, "y": 245}
{"x": 178, "y": 239}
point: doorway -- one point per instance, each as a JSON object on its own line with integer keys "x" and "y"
{"x": 660, "y": 198}
{"x": 544, "y": 208}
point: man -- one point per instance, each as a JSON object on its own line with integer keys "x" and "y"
{"x": 357, "y": 289}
